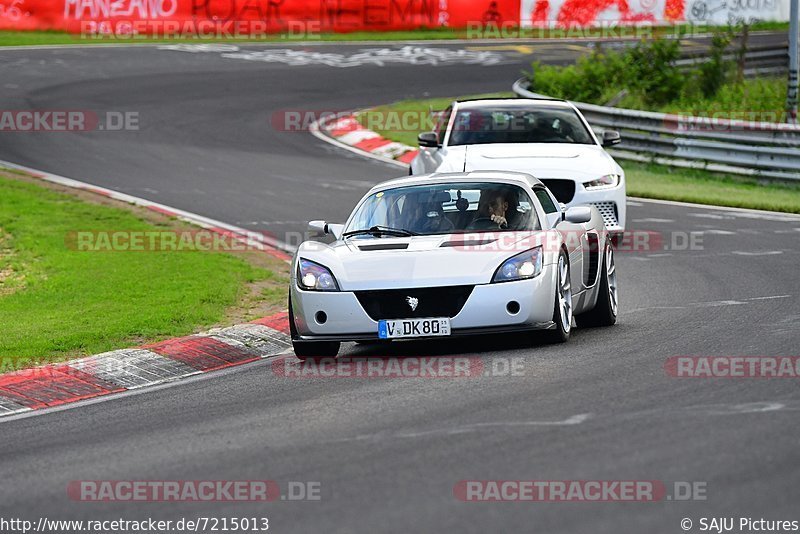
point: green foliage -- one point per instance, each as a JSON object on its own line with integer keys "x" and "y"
{"x": 647, "y": 75}
{"x": 714, "y": 73}
{"x": 593, "y": 77}
{"x": 653, "y": 72}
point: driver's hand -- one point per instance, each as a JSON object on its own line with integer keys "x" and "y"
{"x": 500, "y": 220}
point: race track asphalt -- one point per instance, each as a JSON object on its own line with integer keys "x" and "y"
{"x": 388, "y": 452}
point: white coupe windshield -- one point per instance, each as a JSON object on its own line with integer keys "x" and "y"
{"x": 512, "y": 124}
{"x": 443, "y": 209}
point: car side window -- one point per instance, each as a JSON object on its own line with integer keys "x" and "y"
{"x": 545, "y": 200}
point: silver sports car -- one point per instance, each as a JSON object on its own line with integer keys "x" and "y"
{"x": 448, "y": 255}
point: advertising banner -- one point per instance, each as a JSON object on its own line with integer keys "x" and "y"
{"x": 307, "y": 17}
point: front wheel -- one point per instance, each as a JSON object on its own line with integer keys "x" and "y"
{"x": 562, "y": 309}
{"x": 604, "y": 312}
{"x": 315, "y": 349}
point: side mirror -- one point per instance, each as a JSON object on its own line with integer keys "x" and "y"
{"x": 317, "y": 228}
{"x": 578, "y": 214}
{"x": 611, "y": 138}
{"x": 321, "y": 228}
{"x": 428, "y": 140}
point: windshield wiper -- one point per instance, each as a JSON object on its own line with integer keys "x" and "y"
{"x": 381, "y": 230}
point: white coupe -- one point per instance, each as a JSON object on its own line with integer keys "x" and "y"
{"x": 549, "y": 139}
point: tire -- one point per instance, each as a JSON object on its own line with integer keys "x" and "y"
{"x": 562, "y": 307}
{"x": 605, "y": 310}
{"x": 310, "y": 349}
{"x": 315, "y": 349}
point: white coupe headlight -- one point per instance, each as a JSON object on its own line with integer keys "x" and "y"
{"x": 315, "y": 277}
{"x": 604, "y": 182}
{"x": 519, "y": 267}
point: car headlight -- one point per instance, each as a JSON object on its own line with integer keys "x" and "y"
{"x": 604, "y": 182}
{"x": 519, "y": 267}
{"x": 314, "y": 277}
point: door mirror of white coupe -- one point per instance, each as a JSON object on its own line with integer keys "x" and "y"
{"x": 428, "y": 140}
{"x": 321, "y": 228}
{"x": 317, "y": 228}
{"x": 578, "y": 214}
{"x": 611, "y": 138}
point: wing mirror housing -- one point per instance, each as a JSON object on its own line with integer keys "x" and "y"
{"x": 428, "y": 140}
{"x": 317, "y": 228}
{"x": 611, "y": 138}
{"x": 578, "y": 214}
{"x": 321, "y": 228}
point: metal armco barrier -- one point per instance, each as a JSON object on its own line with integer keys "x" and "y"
{"x": 745, "y": 147}
{"x": 759, "y": 60}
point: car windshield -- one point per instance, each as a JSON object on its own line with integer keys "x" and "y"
{"x": 513, "y": 124}
{"x": 444, "y": 209}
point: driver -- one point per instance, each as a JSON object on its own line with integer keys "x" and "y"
{"x": 492, "y": 210}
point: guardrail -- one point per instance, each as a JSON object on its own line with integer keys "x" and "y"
{"x": 743, "y": 147}
{"x": 758, "y": 60}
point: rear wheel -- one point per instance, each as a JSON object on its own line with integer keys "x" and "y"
{"x": 310, "y": 349}
{"x": 562, "y": 309}
{"x": 604, "y": 312}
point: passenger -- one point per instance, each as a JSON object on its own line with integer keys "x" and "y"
{"x": 425, "y": 214}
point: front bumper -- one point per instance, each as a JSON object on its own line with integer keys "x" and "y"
{"x": 485, "y": 311}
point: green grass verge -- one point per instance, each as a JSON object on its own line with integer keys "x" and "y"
{"x": 644, "y": 180}
{"x": 38, "y": 37}
{"x": 57, "y": 302}
{"x": 701, "y": 187}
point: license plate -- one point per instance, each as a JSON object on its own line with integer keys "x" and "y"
{"x": 436, "y": 326}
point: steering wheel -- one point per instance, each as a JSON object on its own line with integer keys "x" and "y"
{"x": 484, "y": 223}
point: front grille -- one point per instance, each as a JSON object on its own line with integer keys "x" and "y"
{"x": 431, "y": 302}
{"x": 563, "y": 190}
{"x": 609, "y": 212}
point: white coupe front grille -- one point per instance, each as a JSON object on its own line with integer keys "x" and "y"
{"x": 609, "y": 212}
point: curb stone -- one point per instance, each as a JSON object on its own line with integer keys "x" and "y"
{"x": 123, "y": 370}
